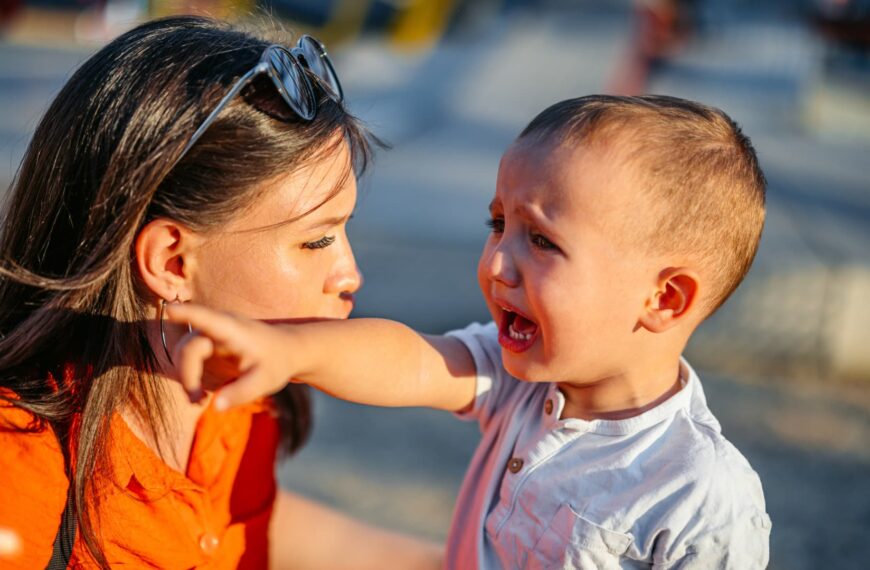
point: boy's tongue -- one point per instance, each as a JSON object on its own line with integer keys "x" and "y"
{"x": 523, "y": 325}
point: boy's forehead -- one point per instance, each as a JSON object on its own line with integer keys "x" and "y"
{"x": 565, "y": 175}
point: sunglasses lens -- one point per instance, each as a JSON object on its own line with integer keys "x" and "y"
{"x": 294, "y": 85}
{"x": 319, "y": 64}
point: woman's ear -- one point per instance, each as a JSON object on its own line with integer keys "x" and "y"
{"x": 673, "y": 300}
{"x": 163, "y": 250}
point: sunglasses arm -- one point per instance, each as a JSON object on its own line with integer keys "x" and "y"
{"x": 237, "y": 87}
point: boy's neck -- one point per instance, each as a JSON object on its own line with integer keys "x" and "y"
{"x": 621, "y": 396}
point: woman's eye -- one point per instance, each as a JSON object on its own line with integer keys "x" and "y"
{"x": 541, "y": 242}
{"x": 496, "y": 225}
{"x": 325, "y": 241}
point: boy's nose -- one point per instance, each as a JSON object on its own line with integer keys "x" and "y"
{"x": 500, "y": 267}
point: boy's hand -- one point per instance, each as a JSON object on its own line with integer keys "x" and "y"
{"x": 368, "y": 361}
{"x": 242, "y": 358}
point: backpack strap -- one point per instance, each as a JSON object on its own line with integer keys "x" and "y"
{"x": 66, "y": 535}
{"x": 66, "y": 532}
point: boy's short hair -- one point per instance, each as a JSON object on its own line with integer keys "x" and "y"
{"x": 694, "y": 162}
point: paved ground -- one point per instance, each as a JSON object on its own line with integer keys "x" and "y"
{"x": 449, "y": 115}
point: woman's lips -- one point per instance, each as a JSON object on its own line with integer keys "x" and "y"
{"x": 347, "y": 304}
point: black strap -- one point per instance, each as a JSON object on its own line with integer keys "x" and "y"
{"x": 66, "y": 532}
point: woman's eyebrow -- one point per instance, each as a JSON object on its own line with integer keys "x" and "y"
{"x": 329, "y": 222}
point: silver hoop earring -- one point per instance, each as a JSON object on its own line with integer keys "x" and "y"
{"x": 163, "y": 330}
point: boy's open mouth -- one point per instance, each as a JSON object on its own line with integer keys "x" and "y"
{"x": 517, "y": 333}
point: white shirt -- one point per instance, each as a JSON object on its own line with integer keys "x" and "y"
{"x": 663, "y": 489}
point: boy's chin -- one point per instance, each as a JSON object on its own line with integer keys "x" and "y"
{"x": 525, "y": 366}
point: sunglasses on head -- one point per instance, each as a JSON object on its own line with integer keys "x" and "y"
{"x": 286, "y": 68}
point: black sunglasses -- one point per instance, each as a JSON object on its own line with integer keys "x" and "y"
{"x": 286, "y": 68}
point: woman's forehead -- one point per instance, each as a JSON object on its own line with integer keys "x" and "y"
{"x": 323, "y": 188}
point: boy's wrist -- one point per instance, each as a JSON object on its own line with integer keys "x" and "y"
{"x": 300, "y": 361}
{"x": 286, "y": 345}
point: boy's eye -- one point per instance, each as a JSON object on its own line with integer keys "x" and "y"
{"x": 496, "y": 225}
{"x": 325, "y": 241}
{"x": 541, "y": 242}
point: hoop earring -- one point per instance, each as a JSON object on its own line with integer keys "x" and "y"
{"x": 163, "y": 330}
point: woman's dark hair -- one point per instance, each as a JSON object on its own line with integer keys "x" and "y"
{"x": 103, "y": 162}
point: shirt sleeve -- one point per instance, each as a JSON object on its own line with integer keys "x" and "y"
{"x": 494, "y": 384}
{"x": 33, "y": 487}
{"x": 741, "y": 545}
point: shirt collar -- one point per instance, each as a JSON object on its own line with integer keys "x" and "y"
{"x": 682, "y": 400}
{"x": 139, "y": 470}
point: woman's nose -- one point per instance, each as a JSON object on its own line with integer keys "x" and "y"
{"x": 346, "y": 276}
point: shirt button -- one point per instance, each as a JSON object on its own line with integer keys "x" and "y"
{"x": 548, "y": 407}
{"x": 209, "y": 543}
{"x": 515, "y": 464}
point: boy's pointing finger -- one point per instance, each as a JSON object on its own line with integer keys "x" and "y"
{"x": 252, "y": 385}
{"x": 191, "y": 354}
{"x": 218, "y": 326}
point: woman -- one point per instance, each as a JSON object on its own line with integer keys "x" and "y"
{"x": 184, "y": 161}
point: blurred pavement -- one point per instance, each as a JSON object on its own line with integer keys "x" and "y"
{"x": 419, "y": 228}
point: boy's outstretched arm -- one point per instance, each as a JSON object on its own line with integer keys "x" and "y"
{"x": 369, "y": 361}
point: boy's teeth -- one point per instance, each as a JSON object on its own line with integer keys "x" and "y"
{"x": 518, "y": 335}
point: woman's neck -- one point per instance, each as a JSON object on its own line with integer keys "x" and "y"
{"x": 182, "y": 417}
{"x": 181, "y": 414}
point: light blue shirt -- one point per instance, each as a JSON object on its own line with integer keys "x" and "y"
{"x": 663, "y": 489}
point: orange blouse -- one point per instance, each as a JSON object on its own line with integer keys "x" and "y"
{"x": 150, "y": 516}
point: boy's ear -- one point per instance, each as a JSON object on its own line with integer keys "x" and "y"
{"x": 163, "y": 250}
{"x": 675, "y": 295}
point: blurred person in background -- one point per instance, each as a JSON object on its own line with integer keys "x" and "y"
{"x": 184, "y": 161}
{"x": 661, "y": 27}
{"x": 8, "y": 10}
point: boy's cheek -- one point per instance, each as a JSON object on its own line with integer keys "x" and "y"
{"x": 538, "y": 364}
{"x": 483, "y": 275}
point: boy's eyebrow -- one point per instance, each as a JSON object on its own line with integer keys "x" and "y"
{"x": 538, "y": 218}
{"x": 525, "y": 211}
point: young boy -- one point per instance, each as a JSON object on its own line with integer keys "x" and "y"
{"x": 618, "y": 226}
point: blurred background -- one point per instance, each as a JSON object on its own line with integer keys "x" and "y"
{"x": 450, "y": 83}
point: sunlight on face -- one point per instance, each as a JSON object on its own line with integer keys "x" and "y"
{"x": 260, "y": 266}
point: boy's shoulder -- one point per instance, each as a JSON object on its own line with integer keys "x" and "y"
{"x": 713, "y": 475}
{"x": 709, "y": 504}
{"x": 680, "y": 489}
{"x": 697, "y": 454}
{"x": 704, "y": 494}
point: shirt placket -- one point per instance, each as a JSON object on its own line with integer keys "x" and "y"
{"x": 208, "y": 458}
{"x": 548, "y": 439}
{"x": 209, "y": 540}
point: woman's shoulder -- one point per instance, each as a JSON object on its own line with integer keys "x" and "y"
{"x": 33, "y": 484}
{"x": 26, "y": 441}
{"x": 13, "y": 417}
